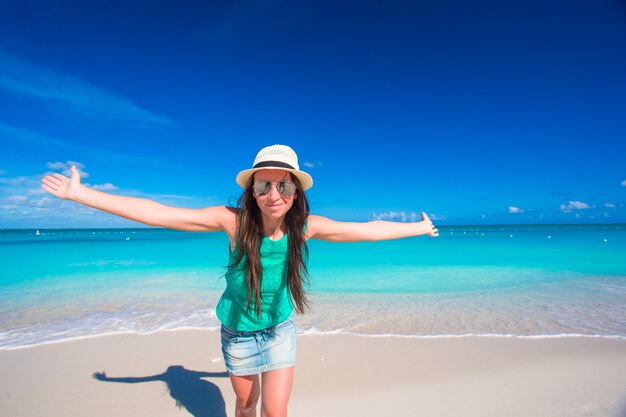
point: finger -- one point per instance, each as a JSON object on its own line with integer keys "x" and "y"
{"x": 63, "y": 178}
{"x": 49, "y": 189}
{"x": 53, "y": 182}
{"x": 74, "y": 170}
{"x": 50, "y": 183}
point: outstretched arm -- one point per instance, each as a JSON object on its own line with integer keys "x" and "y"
{"x": 102, "y": 376}
{"x": 141, "y": 210}
{"x": 323, "y": 228}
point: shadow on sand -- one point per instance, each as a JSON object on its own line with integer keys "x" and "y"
{"x": 199, "y": 397}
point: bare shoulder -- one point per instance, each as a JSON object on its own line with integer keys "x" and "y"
{"x": 311, "y": 225}
{"x": 317, "y": 224}
{"x": 218, "y": 218}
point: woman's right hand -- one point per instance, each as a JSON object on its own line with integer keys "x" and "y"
{"x": 61, "y": 186}
{"x": 142, "y": 210}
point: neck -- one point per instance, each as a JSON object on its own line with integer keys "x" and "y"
{"x": 273, "y": 228}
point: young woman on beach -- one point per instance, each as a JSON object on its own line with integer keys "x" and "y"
{"x": 268, "y": 232}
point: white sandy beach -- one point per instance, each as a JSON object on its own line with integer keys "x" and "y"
{"x": 178, "y": 373}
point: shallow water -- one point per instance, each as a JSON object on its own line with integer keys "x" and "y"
{"x": 506, "y": 280}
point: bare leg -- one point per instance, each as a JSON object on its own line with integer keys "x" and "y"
{"x": 276, "y": 392}
{"x": 247, "y": 389}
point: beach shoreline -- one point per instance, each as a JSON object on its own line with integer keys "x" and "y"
{"x": 181, "y": 372}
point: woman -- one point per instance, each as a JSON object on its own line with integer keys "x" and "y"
{"x": 267, "y": 268}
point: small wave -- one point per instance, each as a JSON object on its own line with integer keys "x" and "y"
{"x": 113, "y": 262}
{"x": 112, "y": 333}
{"x": 127, "y": 320}
{"x": 315, "y": 332}
{"x": 312, "y": 332}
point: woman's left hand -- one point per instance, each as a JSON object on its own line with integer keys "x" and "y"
{"x": 431, "y": 230}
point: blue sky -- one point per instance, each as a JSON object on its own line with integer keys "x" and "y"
{"x": 476, "y": 112}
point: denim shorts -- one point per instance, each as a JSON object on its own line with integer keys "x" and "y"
{"x": 255, "y": 352}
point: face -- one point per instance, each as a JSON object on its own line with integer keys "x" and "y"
{"x": 273, "y": 204}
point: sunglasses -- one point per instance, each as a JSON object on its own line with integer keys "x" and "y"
{"x": 285, "y": 188}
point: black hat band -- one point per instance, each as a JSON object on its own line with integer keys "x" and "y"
{"x": 273, "y": 164}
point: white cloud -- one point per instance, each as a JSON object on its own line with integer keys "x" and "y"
{"x": 574, "y": 205}
{"x": 16, "y": 199}
{"x": 174, "y": 196}
{"x": 44, "y": 202}
{"x": 436, "y": 217}
{"x": 312, "y": 164}
{"x": 605, "y": 214}
{"x": 515, "y": 210}
{"x": 624, "y": 183}
{"x": 23, "y": 203}
{"x": 609, "y": 205}
{"x": 22, "y": 196}
{"x": 15, "y": 181}
{"x": 397, "y": 216}
{"x": 22, "y": 77}
{"x": 105, "y": 187}
{"x": 36, "y": 191}
{"x": 57, "y": 166}
{"x": 65, "y": 168}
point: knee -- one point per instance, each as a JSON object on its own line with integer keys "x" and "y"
{"x": 245, "y": 407}
{"x": 273, "y": 410}
{"x": 246, "y": 410}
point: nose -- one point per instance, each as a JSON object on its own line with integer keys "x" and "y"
{"x": 273, "y": 193}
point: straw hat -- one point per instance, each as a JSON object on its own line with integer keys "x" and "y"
{"x": 276, "y": 157}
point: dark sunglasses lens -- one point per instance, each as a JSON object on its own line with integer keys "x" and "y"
{"x": 262, "y": 187}
{"x": 287, "y": 188}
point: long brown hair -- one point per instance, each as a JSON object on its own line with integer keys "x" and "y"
{"x": 249, "y": 235}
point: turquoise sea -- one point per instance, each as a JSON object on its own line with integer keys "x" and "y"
{"x": 537, "y": 281}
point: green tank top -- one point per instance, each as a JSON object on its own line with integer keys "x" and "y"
{"x": 276, "y": 304}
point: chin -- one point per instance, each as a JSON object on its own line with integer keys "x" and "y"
{"x": 276, "y": 212}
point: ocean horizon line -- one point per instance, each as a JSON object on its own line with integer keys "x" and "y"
{"x": 439, "y": 226}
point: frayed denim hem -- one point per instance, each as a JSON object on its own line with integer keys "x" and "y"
{"x": 260, "y": 369}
